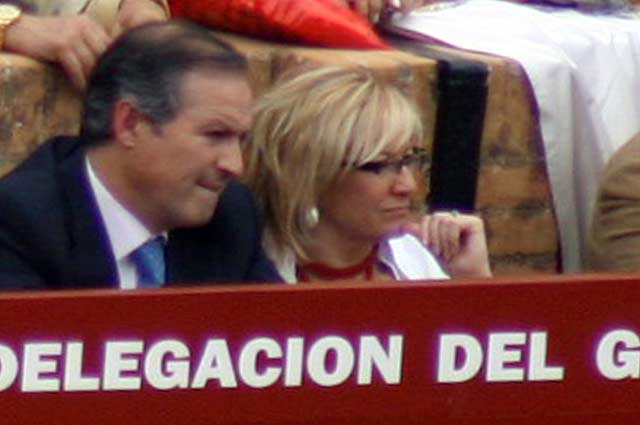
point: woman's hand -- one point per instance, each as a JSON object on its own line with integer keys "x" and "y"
{"x": 457, "y": 240}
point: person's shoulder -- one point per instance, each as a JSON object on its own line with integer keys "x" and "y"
{"x": 32, "y": 216}
{"x": 37, "y": 174}
{"x": 629, "y": 153}
{"x": 43, "y": 160}
{"x": 613, "y": 241}
{"x": 622, "y": 172}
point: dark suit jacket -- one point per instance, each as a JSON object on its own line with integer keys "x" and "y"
{"x": 52, "y": 234}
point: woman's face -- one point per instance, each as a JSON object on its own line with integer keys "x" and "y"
{"x": 373, "y": 199}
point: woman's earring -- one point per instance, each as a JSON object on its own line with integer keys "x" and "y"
{"x": 312, "y": 217}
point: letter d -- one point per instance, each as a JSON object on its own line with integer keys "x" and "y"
{"x": 8, "y": 367}
{"x": 449, "y": 346}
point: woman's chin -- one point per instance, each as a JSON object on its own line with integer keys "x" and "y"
{"x": 395, "y": 229}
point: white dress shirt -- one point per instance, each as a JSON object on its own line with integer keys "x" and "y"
{"x": 126, "y": 233}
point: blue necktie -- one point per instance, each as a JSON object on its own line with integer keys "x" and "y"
{"x": 149, "y": 259}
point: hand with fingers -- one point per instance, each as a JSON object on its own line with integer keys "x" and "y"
{"x": 75, "y": 42}
{"x": 137, "y": 12}
{"x": 457, "y": 240}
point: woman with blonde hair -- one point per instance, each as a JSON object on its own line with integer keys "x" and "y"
{"x": 333, "y": 158}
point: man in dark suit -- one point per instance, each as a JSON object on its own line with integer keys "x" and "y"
{"x": 166, "y": 109}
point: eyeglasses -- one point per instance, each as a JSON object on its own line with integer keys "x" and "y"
{"x": 415, "y": 161}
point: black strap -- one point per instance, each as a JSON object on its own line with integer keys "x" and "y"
{"x": 462, "y": 96}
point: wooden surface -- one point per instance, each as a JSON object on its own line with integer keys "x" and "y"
{"x": 35, "y": 103}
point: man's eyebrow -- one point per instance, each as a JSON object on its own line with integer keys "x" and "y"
{"x": 229, "y": 121}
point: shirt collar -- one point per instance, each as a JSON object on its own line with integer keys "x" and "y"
{"x": 125, "y": 231}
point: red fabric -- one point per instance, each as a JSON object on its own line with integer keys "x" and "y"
{"x": 314, "y": 22}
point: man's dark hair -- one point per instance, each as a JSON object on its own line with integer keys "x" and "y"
{"x": 147, "y": 65}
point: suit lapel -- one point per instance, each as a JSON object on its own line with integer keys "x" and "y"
{"x": 91, "y": 262}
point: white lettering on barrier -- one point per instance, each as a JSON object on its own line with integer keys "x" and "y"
{"x": 121, "y": 357}
{"x": 215, "y": 364}
{"x": 167, "y": 364}
{"x": 8, "y": 367}
{"x": 500, "y": 354}
{"x": 37, "y": 361}
{"x": 317, "y": 361}
{"x": 450, "y": 346}
{"x": 538, "y": 369}
{"x": 171, "y": 356}
{"x": 73, "y": 379}
{"x": 248, "y": 367}
{"x": 388, "y": 363}
{"x": 618, "y": 355}
{"x": 293, "y": 369}
{"x": 504, "y": 356}
{"x": 329, "y": 361}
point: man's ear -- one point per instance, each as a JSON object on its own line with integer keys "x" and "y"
{"x": 128, "y": 122}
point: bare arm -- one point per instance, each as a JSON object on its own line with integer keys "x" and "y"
{"x": 75, "y": 42}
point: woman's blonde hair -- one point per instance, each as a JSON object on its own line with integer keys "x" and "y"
{"x": 309, "y": 129}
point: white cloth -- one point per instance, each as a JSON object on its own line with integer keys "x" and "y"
{"x": 405, "y": 255}
{"x": 584, "y": 72}
{"x": 126, "y": 233}
{"x": 409, "y": 259}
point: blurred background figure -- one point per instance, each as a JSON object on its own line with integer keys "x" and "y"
{"x": 334, "y": 158}
{"x": 614, "y": 241}
{"x": 72, "y": 33}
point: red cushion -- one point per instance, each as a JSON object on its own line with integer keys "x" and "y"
{"x": 313, "y": 22}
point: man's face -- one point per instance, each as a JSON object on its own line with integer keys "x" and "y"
{"x": 181, "y": 167}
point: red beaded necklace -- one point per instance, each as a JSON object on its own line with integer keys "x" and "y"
{"x": 324, "y": 272}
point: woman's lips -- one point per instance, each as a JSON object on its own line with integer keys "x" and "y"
{"x": 398, "y": 210}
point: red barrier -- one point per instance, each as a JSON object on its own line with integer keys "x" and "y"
{"x": 551, "y": 350}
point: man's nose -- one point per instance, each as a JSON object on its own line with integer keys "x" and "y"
{"x": 229, "y": 160}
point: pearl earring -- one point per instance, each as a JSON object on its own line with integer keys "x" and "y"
{"x": 312, "y": 217}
